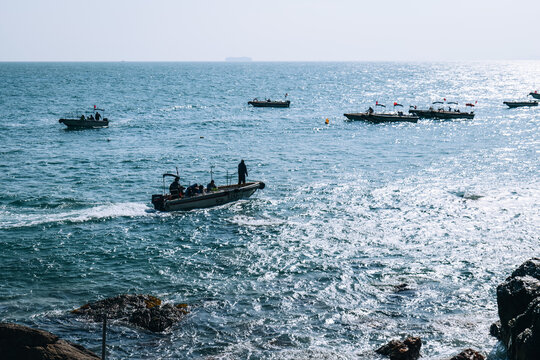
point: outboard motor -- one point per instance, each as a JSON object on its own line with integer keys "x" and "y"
{"x": 159, "y": 202}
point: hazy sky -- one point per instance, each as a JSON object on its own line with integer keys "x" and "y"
{"x": 272, "y": 30}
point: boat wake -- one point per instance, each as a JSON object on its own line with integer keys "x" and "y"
{"x": 10, "y": 220}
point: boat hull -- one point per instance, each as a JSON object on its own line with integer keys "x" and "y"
{"x": 381, "y": 118}
{"x": 436, "y": 114}
{"x": 224, "y": 195}
{"x": 84, "y": 124}
{"x": 535, "y": 95}
{"x": 277, "y": 104}
{"x": 515, "y": 104}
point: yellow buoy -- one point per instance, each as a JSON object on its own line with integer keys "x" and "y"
{"x": 327, "y": 121}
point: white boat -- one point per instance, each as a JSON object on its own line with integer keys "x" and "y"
{"x": 221, "y": 195}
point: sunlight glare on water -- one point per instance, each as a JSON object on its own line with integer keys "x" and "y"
{"x": 364, "y": 233}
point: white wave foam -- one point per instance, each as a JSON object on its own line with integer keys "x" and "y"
{"x": 11, "y": 220}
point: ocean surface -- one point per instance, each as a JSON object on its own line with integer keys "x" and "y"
{"x": 309, "y": 267}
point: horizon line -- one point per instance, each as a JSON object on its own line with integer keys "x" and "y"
{"x": 257, "y": 61}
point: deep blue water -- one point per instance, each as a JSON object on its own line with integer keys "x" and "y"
{"x": 307, "y": 267}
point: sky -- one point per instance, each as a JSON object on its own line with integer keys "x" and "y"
{"x": 271, "y": 30}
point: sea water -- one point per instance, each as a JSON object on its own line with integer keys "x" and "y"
{"x": 311, "y": 266}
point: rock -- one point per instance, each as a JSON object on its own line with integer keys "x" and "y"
{"x": 468, "y": 354}
{"x": 495, "y": 329}
{"x": 518, "y": 300}
{"x": 145, "y": 311}
{"x": 409, "y": 349}
{"x": 401, "y": 288}
{"x": 21, "y": 342}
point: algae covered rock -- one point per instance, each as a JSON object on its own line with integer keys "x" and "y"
{"x": 408, "y": 349}
{"x": 146, "y": 311}
{"x": 468, "y": 354}
{"x": 22, "y": 342}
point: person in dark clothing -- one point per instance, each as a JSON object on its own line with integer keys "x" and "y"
{"x": 174, "y": 188}
{"x": 370, "y": 110}
{"x": 211, "y": 186}
{"x": 98, "y": 116}
{"x": 200, "y": 190}
{"x": 242, "y": 172}
{"x": 192, "y": 190}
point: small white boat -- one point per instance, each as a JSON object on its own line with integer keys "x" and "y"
{"x": 221, "y": 195}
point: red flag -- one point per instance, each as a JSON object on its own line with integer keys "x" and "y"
{"x": 444, "y": 99}
{"x": 94, "y": 106}
{"x": 377, "y": 102}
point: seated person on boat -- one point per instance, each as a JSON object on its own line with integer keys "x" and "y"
{"x": 211, "y": 186}
{"x": 192, "y": 190}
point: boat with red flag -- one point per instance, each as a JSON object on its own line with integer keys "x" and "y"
{"x": 371, "y": 116}
{"x": 441, "y": 112}
{"x": 535, "y": 94}
{"x": 87, "y": 121}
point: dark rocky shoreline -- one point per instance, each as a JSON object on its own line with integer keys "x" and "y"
{"x": 518, "y": 300}
{"x": 22, "y": 342}
{"x": 518, "y": 328}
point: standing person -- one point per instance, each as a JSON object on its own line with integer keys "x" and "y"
{"x": 242, "y": 172}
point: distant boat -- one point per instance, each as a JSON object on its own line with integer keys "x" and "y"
{"x": 222, "y": 195}
{"x": 95, "y": 120}
{"x": 373, "y": 117}
{"x": 440, "y": 113}
{"x": 381, "y": 118}
{"x": 269, "y": 103}
{"x": 535, "y": 95}
{"x": 515, "y": 104}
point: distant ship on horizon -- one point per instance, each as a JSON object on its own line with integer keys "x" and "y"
{"x": 238, "y": 59}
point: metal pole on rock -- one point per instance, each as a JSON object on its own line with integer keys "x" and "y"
{"x": 104, "y": 338}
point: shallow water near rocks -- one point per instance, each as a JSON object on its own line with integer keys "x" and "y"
{"x": 364, "y": 233}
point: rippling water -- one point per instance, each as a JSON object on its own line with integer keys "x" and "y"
{"x": 308, "y": 267}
